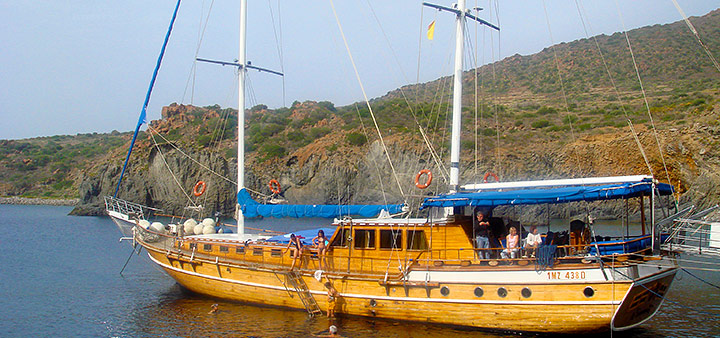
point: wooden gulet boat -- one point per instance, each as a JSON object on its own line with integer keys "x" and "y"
{"x": 425, "y": 269}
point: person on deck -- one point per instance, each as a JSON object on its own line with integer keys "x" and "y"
{"x": 533, "y": 240}
{"x": 512, "y": 240}
{"x": 321, "y": 242}
{"x": 297, "y": 252}
{"x": 482, "y": 231}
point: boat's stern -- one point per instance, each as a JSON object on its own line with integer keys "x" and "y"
{"x": 646, "y": 295}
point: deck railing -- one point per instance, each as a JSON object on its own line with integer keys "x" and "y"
{"x": 127, "y": 208}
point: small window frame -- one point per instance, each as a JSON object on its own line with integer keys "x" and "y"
{"x": 416, "y": 240}
{"x": 365, "y": 239}
{"x": 388, "y": 237}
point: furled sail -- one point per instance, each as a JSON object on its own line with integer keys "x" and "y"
{"x": 252, "y": 208}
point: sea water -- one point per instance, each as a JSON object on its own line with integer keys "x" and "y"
{"x": 60, "y": 277}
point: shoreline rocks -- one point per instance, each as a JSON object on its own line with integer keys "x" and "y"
{"x": 38, "y": 201}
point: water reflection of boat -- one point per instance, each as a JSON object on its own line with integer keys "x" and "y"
{"x": 428, "y": 269}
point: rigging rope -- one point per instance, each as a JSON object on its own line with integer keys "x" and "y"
{"x": 581, "y": 10}
{"x": 647, "y": 104}
{"x": 498, "y": 163}
{"x": 143, "y": 112}
{"x": 562, "y": 84}
{"x": 152, "y": 136}
{"x": 189, "y": 157}
{"x": 193, "y": 68}
{"x": 278, "y": 43}
{"x": 432, "y": 151}
{"x": 665, "y": 298}
{"x": 367, "y": 101}
{"x": 697, "y": 36}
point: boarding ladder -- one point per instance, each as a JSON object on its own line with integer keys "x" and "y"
{"x": 304, "y": 294}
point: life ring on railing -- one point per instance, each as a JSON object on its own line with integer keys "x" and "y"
{"x": 427, "y": 182}
{"x": 274, "y": 186}
{"x": 199, "y": 188}
{"x": 488, "y": 174}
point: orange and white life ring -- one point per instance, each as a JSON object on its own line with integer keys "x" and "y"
{"x": 274, "y": 186}
{"x": 199, "y": 188}
{"x": 488, "y": 174}
{"x": 427, "y": 182}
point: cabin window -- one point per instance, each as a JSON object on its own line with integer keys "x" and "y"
{"x": 224, "y": 249}
{"x": 192, "y": 246}
{"x": 342, "y": 238}
{"x": 207, "y": 247}
{"x": 416, "y": 240}
{"x": 364, "y": 239}
{"x": 240, "y": 250}
{"x": 391, "y": 239}
{"x": 257, "y": 251}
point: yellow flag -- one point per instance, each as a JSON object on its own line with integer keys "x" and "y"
{"x": 431, "y": 30}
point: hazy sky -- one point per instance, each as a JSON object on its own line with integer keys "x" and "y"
{"x": 69, "y": 66}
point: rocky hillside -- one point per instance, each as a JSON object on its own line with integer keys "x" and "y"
{"x": 526, "y": 126}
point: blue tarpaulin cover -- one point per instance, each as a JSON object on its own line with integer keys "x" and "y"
{"x": 545, "y": 195}
{"x": 252, "y": 208}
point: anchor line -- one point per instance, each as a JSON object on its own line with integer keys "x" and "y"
{"x": 700, "y": 279}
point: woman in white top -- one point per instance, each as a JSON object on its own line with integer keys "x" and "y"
{"x": 512, "y": 240}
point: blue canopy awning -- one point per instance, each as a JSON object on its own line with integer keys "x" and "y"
{"x": 546, "y": 195}
{"x": 252, "y": 208}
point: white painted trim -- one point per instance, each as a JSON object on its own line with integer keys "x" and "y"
{"x": 558, "y": 183}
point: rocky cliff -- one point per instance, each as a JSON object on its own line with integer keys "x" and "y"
{"x": 331, "y": 171}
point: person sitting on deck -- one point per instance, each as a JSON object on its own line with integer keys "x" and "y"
{"x": 297, "y": 252}
{"x": 321, "y": 242}
{"x": 512, "y": 241}
{"x": 533, "y": 240}
{"x": 482, "y": 231}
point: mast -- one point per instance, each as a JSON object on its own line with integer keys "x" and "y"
{"x": 462, "y": 14}
{"x": 242, "y": 72}
{"x": 457, "y": 97}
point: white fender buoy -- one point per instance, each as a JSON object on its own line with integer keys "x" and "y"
{"x": 208, "y": 229}
{"x": 198, "y": 229}
{"x": 189, "y": 226}
{"x": 144, "y": 223}
{"x": 157, "y": 227}
{"x": 208, "y": 221}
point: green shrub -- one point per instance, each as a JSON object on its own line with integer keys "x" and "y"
{"x": 356, "y": 139}
{"x": 545, "y": 110}
{"x": 272, "y": 151}
{"x": 319, "y": 132}
{"x": 540, "y": 124}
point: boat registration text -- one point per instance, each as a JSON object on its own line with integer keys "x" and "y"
{"x": 565, "y": 275}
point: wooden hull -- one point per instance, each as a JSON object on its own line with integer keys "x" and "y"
{"x": 552, "y": 307}
{"x": 446, "y": 285}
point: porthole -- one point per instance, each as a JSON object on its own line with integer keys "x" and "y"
{"x": 526, "y": 292}
{"x": 478, "y": 292}
{"x": 502, "y": 292}
{"x": 444, "y": 291}
{"x": 373, "y": 303}
{"x": 589, "y": 292}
